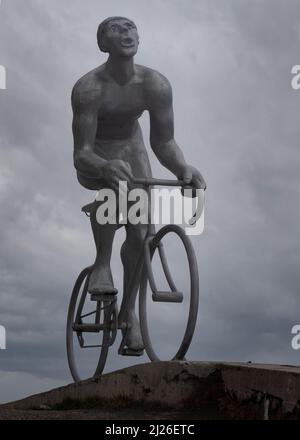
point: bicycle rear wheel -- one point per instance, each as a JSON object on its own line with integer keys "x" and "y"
{"x": 152, "y": 245}
{"x": 105, "y": 313}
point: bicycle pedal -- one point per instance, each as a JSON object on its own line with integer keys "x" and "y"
{"x": 102, "y": 297}
{"x": 168, "y": 297}
{"x": 131, "y": 353}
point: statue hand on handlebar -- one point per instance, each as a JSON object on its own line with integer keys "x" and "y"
{"x": 193, "y": 179}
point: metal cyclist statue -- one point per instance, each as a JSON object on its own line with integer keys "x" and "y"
{"x": 109, "y": 148}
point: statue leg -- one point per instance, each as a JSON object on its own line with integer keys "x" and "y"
{"x": 131, "y": 252}
{"x": 101, "y": 280}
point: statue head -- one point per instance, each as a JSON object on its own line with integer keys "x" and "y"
{"x": 118, "y": 36}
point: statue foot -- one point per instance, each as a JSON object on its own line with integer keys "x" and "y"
{"x": 134, "y": 341}
{"x": 101, "y": 282}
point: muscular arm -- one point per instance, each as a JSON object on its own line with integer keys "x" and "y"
{"x": 85, "y": 113}
{"x": 85, "y": 103}
{"x": 160, "y": 104}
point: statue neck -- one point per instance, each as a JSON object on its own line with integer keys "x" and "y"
{"x": 120, "y": 69}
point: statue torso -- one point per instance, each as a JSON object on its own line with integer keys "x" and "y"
{"x": 119, "y": 107}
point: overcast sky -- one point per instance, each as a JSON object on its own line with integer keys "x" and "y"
{"x": 237, "y": 120}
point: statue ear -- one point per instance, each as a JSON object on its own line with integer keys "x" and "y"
{"x": 103, "y": 45}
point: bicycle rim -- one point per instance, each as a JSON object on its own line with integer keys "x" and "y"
{"x": 194, "y": 294}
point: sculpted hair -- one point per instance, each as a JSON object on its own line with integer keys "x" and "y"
{"x": 102, "y": 29}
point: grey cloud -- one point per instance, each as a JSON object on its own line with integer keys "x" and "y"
{"x": 236, "y": 119}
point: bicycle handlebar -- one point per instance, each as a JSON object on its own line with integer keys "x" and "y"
{"x": 158, "y": 182}
{"x": 177, "y": 183}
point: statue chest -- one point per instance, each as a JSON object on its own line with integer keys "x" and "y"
{"x": 121, "y": 103}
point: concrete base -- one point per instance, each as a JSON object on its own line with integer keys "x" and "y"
{"x": 238, "y": 391}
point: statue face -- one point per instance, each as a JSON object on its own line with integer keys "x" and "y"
{"x": 121, "y": 38}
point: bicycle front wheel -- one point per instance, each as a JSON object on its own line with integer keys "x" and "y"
{"x": 191, "y": 294}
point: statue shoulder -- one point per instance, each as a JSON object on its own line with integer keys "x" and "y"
{"x": 157, "y": 86}
{"x": 88, "y": 88}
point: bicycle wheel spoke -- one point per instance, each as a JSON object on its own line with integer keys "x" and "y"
{"x": 88, "y": 315}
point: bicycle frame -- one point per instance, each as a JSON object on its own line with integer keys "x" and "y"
{"x": 142, "y": 275}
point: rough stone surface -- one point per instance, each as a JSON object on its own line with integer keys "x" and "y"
{"x": 238, "y": 391}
